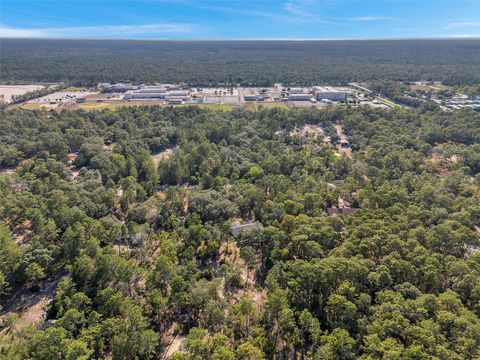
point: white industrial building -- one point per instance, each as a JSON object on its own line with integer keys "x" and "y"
{"x": 177, "y": 93}
{"x": 299, "y": 97}
{"x": 297, "y": 90}
{"x": 116, "y": 88}
{"x": 156, "y": 92}
{"x": 328, "y": 93}
{"x": 154, "y": 88}
{"x": 138, "y": 94}
{"x": 175, "y": 100}
{"x": 147, "y": 92}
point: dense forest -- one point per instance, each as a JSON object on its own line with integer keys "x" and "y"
{"x": 84, "y": 62}
{"x": 128, "y": 216}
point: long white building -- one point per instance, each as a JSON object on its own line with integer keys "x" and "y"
{"x": 328, "y": 93}
{"x": 297, "y": 90}
{"x": 156, "y": 92}
{"x": 300, "y": 97}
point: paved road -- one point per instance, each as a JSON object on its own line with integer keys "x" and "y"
{"x": 361, "y": 87}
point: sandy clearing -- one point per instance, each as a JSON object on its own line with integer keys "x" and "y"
{"x": 174, "y": 346}
{"x": 156, "y": 158}
{"x": 343, "y": 138}
{"x": 7, "y": 92}
{"x": 30, "y": 307}
{"x": 62, "y": 97}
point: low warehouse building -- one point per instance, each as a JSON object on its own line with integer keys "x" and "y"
{"x": 297, "y": 90}
{"x": 147, "y": 95}
{"x": 175, "y": 101}
{"x": 299, "y": 97}
{"x": 181, "y": 93}
{"x": 327, "y": 93}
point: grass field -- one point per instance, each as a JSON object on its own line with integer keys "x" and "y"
{"x": 110, "y": 106}
{"x": 387, "y": 102}
{"x": 420, "y": 87}
{"x": 266, "y": 105}
{"x": 218, "y": 107}
{"x": 437, "y": 86}
{"x": 102, "y": 106}
{"x": 113, "y": 106}
{"x": 31, "y": 106}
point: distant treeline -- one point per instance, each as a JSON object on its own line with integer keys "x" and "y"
{"x": 84, "y": 62}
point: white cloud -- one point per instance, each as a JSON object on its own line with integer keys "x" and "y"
{"x": 19, "y": 33}
{"x": 294, "y": 12}
{"x": 455, "y": 25}
{"x": 304, "y": 11}
{"x": 98, "y": 31}
{"x": 465, "y": 36}
{"x": 299, "y": 8}
{"x": 230, "y": 10}
{"x": 372, "y": 18}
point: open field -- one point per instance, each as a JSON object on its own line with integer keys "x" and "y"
{"x": 113, "y": 106}
{"x": 266, "y": 105}
{"x": 62, "y": 97}
{"x": 437, "y": 86}
{"x": 110, "y": 106}
{"x": 218, "y": 107}
{"x": 7, "y": 92}
{"x": 387, "y": 102}
{"x": 420, "y": 87}
{"x": 30, "y": 106}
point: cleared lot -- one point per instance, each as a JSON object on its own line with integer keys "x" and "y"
{"x": 7, "y": 92}
{"x": 62, "y": 97}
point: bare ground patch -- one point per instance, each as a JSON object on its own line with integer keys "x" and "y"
{"x": 30, "y": 307}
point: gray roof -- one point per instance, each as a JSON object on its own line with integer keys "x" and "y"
{"x": 237, "y": 227}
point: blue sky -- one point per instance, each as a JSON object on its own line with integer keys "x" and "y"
{"x": 240, "y": 19}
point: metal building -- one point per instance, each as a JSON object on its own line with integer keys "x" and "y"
{"x": 299, "y": 97}
{"x": 328, "y": 93}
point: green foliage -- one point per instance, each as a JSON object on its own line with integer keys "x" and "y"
{"x": 147, "y": 254}
{"x": 255, "y": 62}
{"x": 34, "y": 273}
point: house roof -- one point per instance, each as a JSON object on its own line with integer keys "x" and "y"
{"x": 237, "y": 227}
{"x": 340, "y": 211}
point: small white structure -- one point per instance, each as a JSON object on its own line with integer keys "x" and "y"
{"x": 175, "y": 101}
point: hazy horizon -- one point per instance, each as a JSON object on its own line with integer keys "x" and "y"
{"x": 247, "y": 39}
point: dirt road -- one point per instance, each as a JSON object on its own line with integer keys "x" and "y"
{"x": 343, "y": 138}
